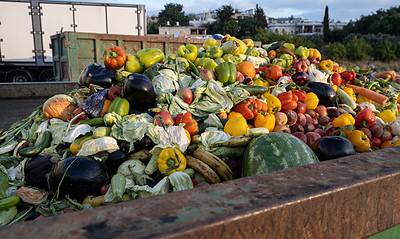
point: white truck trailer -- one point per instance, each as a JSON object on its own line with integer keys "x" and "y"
{"x": 26, "y": 27}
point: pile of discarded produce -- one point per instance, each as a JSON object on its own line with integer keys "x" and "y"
{"x": 146, "y": 124}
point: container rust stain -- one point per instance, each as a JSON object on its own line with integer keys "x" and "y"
{"x": 352, "y": 197}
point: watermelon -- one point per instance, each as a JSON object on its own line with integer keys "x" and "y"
{"x": 276, "y": 151}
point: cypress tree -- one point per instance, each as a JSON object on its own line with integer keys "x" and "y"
{"x": 326, "y": 25}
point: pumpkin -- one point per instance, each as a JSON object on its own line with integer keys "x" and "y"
{"x": 59, "y": 106}
{"x": 247, "y": 69}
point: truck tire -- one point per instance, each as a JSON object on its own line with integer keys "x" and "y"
{"x": 46, "y": 75}
{"x": 18, "y": 75}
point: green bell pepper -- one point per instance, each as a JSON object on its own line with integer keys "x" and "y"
{"x": 150, "y": 56}
{"x": 133, "y": 64}
{"x": 232, "y": 58}
{"x": 189, "y": 52}
{"x": 289, "y": 46}
{"x": 206, "y": 62}
{"x": 280, "y": 62}
{"x": 288, "y": 59}
{"x": 302, "y": 52}
{"x": 226, "y": 73}
{"x": 219, "y": 60}
{"x": 252, "y": 52}
{"x": 215, "y": 52}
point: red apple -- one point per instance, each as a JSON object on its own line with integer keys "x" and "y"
{"x": 186, "y": 94}
{"x": 163, "y": 118}
{"x": 336, "y": 79}
{"x": 300, "y": 66}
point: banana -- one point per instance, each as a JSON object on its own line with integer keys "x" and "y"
{"x": 209, "y": 175}
{"x": 238, "y": 141}
{"x": 215, "y": 163}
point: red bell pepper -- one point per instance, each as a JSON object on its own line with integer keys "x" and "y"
{"x": 248, "y": 108}
{"x": 114, "y": 58}
{"x": 190, "y": 124}
{"x": 365, "y": 118}
{"x": 261, "y": 106}
{"x": 301, "y": 94}
{"x": 288, "y": 100}
{"x": 348, "y": 75}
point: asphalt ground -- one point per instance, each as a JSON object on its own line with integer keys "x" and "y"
{"x": 12, "y": 110}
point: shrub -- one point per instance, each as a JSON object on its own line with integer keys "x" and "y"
{"x": 358, "y": 49}
{"x": 335, "y": 51}
{"x": 386, "y": 51}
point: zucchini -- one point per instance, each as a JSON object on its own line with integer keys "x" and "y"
{"x": 32, "y": 151}
{"x": 118, "y": 183}
{"x": 93, "y": 122}
{"x": 9, "y": 202}
{"x": 101, "y": 132}
{"x": 254, "y": 89}
{"x": 346, "y": 99}
{"x": 7, "y": 215}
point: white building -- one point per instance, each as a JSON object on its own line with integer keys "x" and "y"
{"x": 300, "y": 26}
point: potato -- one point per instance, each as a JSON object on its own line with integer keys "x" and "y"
{"x": 321, "y": 110}
{"x": 386, "y": 136}
{"x": 280, "y": 118}
{"x": 309, "y": 119}
{"x": 309, "y": 128}
{"x": 376, "y": 130}
{"x": 312, "y": 137}
{"x": 321, "y": 132}
{"x": 324, "y": 120}
{"x": 291, "y": 117}
{"x": 367, "y": 132}
{"x": 301, "y": 119}
{"x": 301, "y": 136}
{"x": 312, "y": 113}
{"x": 333, "y": 112}
{"x": 282, "y": 128}
{"x": 297, "y": 128}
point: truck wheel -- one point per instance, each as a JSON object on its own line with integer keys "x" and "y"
{"x": 46, "y": 75}
{"x": 18, "y": 76}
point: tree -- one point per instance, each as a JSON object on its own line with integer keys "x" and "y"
{"x": 152, "y": 28}
{"x": 326, "y": 24}
{"x": 173, "y": 13}
{"x": 260, "y": 17}
{"x": 225, "y": 13}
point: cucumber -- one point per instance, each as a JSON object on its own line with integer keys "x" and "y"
{"x": 346, "y": 99}
{"x": 99, "y": 121}
{"x": 254, "y": 89}
{"x": 9, "y": 202}
{"x": 118, "y": 183}
{"x": 44, "y": 142}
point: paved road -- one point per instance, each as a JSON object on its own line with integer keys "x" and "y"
{"x": 12, "y": 110}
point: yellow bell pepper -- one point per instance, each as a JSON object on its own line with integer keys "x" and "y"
{"x": 237, "y": 126}
{"x": 334, "y": 87}
{"x": 387, "y": 116}
{"x": 249, "y": 42}
{"x": 360, "y": 141}
{"x": 274, "y": 104}
{"x": 387, "y": 144}
{"x": 314, "y": 53}
{"x": 234, "y": 114}
{"x": 396, "y": 143}
{"x": 362, "y": 99}
{"x": 311, "y": 101}
{"x": 343, "y": 120}
{"x": 260, "y": 82}
{"x": 341, "y": 69}
{"x": 350, "y": 92}
{"x": 171, "y": 160}
{"x": 326, "y": 65}
{"x": 265, "y": 121}
{"x": 210, "y": 42}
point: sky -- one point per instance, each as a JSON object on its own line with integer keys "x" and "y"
{"x": 339, "y": 10}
